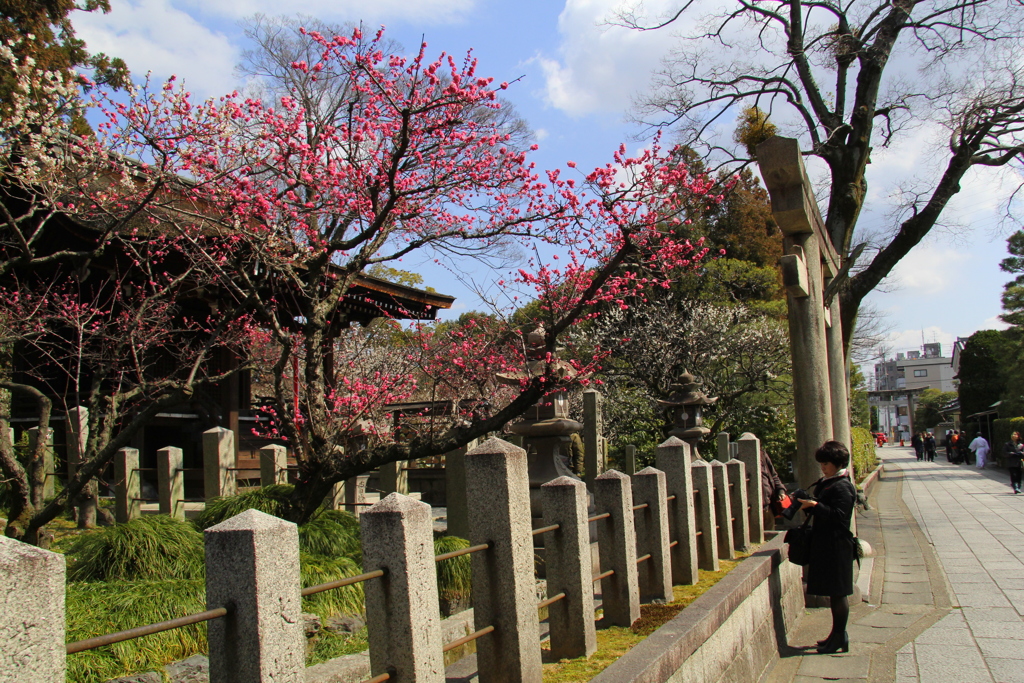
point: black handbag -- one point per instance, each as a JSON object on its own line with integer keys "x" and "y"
{"x": 799, "y": 541}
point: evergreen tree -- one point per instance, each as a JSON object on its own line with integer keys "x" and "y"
{"x": 41, "y": 30}
{"x": 982, "y": 371}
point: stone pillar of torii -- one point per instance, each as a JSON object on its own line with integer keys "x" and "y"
{"x": 809, "y": 265}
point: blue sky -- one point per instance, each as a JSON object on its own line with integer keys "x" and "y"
{"x": 577, "y": 78}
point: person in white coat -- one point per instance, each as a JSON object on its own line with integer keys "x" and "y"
{"x": 980, "y": 448}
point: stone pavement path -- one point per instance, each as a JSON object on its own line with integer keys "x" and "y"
{"x": 906, "y": 596}
{"x": 947, "y": 590}
{"x": 976, "y": 525}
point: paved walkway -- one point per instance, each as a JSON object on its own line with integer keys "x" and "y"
{"x": 947, "y": 587}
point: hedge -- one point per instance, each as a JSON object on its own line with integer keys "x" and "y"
{"x": 862, "y": 452}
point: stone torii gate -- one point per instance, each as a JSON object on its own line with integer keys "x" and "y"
{"x": 809, "y": 265}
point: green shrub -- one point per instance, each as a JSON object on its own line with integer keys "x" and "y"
{"x": 332, "y": 533}
{"x": 272, "y": 500}
{"x": 316, "y": 570}
{"x": 95, "y": 607}
{"x": 1001, "y": 430}
{"x": 862, "y": 453}
{"x": 152, "y": 547}
{"x": 454, "y": 575}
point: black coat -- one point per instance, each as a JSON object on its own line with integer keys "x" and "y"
{"x": 830, "y": 571}
{"x": 1013, "y": 453}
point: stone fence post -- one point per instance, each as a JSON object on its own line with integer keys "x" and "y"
{"x": 723, "y": 510}
{"x": 655, "y": 573}
{"x": 170, "y": 481}
{"x": 722, "y": 447}
{"x": 504, "y": 588}
{"x": 592, "y": 424}
{"x": 673, "y": 458}
{"x": 455, "y": 490}
{"x": 616, "y": 541}
{"x": 218, "y": 459}
{"x": 355, "y": 493}
{"x": 273, "y": 465}
{"x": 704, "y": 502}
{"x": 252, "y": 567}
{"x": 569, "y": 569}
{"x": 127, "y": 485}
{"x": 736, "y": 475}
{"x": 31, "y": 613}
{"x": 402, "y": 611}
{"x": 394, "y": 478}
{"x": 629, "y": 467}
{"x": 749, "y": 453}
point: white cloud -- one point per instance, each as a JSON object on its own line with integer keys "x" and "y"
{"x": 927, "y": 268}
{"x": 541, "y": 134}
{"x": 423, "y": 11}
{"x": 154, "y": 35}
{"x": 600, "y": 67}
{"x": 168, "y": 37}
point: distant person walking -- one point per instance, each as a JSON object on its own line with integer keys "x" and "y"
{"x": 949, "y": 445}
{"x": 929, "y": 446}
{"x": 980, "y": 449}
{"x": 1014, "y": 452}
{"x": 917, "y": 443}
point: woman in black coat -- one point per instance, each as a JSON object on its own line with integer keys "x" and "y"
{"x": 830, "y": 570}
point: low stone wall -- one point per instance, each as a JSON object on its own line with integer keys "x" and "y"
{"x": 731, "y": 633}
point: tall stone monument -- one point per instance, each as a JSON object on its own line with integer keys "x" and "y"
{"x": 546, "y": 428}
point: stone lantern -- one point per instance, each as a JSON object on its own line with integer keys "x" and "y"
{"x": 685, "y": 407}
{"x": 546, "y": 428}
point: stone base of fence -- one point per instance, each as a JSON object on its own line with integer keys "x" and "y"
{"x": 731, "y": 633}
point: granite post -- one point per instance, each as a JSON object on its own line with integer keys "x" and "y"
{"x": 273, "y": 465}
{"x": 704, "y": 502}
{"x": 170, "y": 482}
{"x": 455, "y": 490}
{"x": 127, "y": 485}
{"x": 504, "y": 589}
{"x": 402, "y": 610}
{"x": 218, "y": 459}
{"x": 394, "y": 478}
{"x": 336, "y": 498}
{"x": 736, "y": 475}
{"x": 749, "y": 453}
{"x": 31, "y": 613}
{"x": 252, "y": 566}
{"x": 655, "y": 574}
{"x": 673, "y": 458}
{"x": 569, "y": 569}
{"x": 722, "y": 444}
{"x": 591, "y": 436}
{"x": 723, "y": 510}
{"x": 616, "y": 540}
{"x": 49, "y": 473}
{"x": 355, "y": 493}
{"x": 630, "y": 464}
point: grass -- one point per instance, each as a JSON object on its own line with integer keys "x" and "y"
{"x": 272, "y": 500}
{"x": 615, "y": 641}
{"x": 152, "y": 569}
{"x": 332, "y": 645}
{"x": 454, "y": 575}
{"x": 332, "y": 533}
{"x": 152, "y": 547}
{"x": 94, "y": 608}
